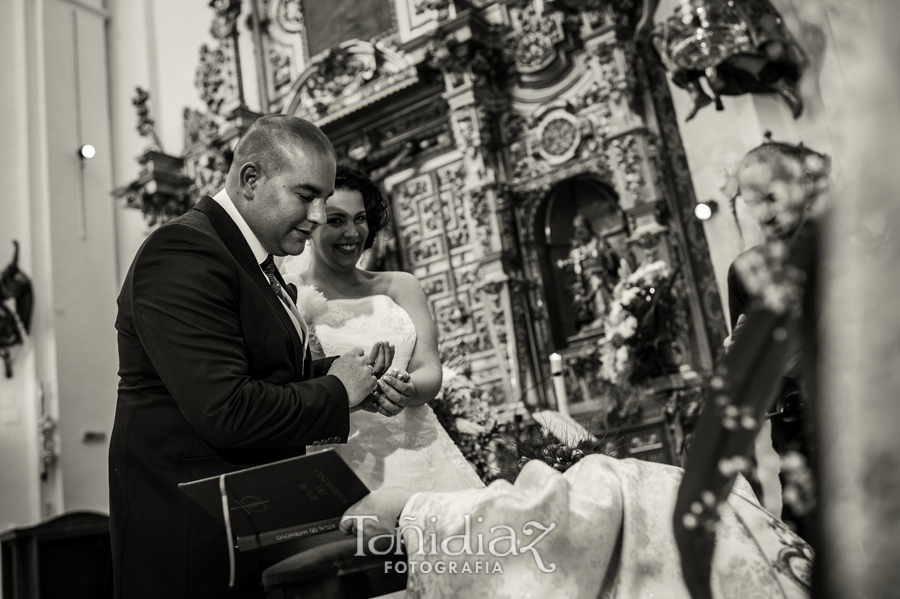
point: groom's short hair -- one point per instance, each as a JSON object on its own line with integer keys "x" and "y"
{"x": 267, "y": 140}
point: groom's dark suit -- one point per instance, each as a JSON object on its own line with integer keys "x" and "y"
{"x": 210, "y": 365}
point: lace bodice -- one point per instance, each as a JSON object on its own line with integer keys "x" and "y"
{"x": 410, "y": 450}
{"x": 349, "y": 323}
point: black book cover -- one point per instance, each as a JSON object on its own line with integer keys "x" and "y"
{"x": 281, "y": 501}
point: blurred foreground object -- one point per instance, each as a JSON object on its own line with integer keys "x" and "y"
{"x": 859, "y": 414}
{"x": 744, "y": 387}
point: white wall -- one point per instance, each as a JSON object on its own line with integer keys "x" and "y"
{"x": 19, "y": 476}
{"x": 61, "y": 211}
{"x": 82, "y": 244}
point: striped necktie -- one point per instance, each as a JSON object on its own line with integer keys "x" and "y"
{"x": 268, "y": 267}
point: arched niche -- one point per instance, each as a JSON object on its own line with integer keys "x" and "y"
{"x": 581, "y": 239}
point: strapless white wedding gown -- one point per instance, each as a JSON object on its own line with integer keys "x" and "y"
{"x": 412, "y": 449}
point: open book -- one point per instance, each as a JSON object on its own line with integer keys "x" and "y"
{"x": 282, "y": 501}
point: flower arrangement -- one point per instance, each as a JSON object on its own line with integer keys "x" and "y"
{"x": 640, "y": 323}
{"x": 465, "y": 413}
{"x": 538, "y": 443}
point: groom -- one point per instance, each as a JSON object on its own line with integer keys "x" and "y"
{"x": 215, "y": 373}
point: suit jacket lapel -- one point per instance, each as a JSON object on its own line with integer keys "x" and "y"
{"x": 237, "y": 245}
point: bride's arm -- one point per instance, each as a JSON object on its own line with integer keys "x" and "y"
{"x": 424, "y": 367}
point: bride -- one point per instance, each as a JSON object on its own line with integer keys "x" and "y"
{"x": 397, "y": 441}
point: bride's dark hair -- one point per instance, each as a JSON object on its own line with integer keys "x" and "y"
{"x": 378, "y": 212}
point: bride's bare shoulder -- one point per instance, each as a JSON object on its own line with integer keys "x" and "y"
{"x": 398, "y": 283}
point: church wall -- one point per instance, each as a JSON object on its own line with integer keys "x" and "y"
{"x": 153, "y": 45}
{"x": 82, "y": 235}
{"x": 130, "y": 48}
{"x": 60, "y": 401}
{"x": 179, "y": 29}
{"x": 20, "y": 499}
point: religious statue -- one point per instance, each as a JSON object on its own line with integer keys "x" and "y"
{"x": 597, "y": 268}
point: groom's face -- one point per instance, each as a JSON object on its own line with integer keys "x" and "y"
{"x": 289, "y": 200}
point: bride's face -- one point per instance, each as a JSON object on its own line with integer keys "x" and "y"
{"x": 340, "y": 241}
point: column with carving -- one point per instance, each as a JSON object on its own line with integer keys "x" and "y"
{"x": 470, "y": 60}
{"x": 219, "y": 73}
{"x": 633, "y": 151}
{"x": 701, "y": 293}
{"x": 610, "y": 105}
{"x": 282, "y": 51}
{"x": 210, "y": 137}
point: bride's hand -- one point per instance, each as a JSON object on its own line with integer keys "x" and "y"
{"x": 380, "y": 357}
{"x": 394, "y": 393}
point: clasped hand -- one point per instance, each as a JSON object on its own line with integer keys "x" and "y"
{"x": 393, "y": 390}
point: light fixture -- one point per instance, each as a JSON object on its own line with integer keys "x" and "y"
{"x": 87, "y": 151}
{"x": 705, "y": 210}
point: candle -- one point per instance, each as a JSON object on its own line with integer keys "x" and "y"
{"x": 539, "y": 7}
{"x": 559, "y": 384}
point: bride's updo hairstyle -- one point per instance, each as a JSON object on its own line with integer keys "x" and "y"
{"x": 378, "y": 213}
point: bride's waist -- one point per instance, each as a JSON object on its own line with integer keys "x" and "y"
{"x": 411, "y": 415}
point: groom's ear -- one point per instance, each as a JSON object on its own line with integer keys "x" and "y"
{"x": 248, "y": 178}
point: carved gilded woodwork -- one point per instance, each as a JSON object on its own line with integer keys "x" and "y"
{"x": 348, "y": 78}
{"x": 471, "y": 124}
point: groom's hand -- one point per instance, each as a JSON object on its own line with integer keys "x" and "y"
{"x": 355, "y": 373}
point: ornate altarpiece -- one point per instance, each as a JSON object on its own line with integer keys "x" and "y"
{"x": 476, "y": 117}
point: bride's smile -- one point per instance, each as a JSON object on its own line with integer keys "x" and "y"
{"x": 342, "y": 238}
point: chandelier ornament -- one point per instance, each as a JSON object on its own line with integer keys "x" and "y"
{"x": 737, "y": 46}
{"x": 714, "y": 32}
